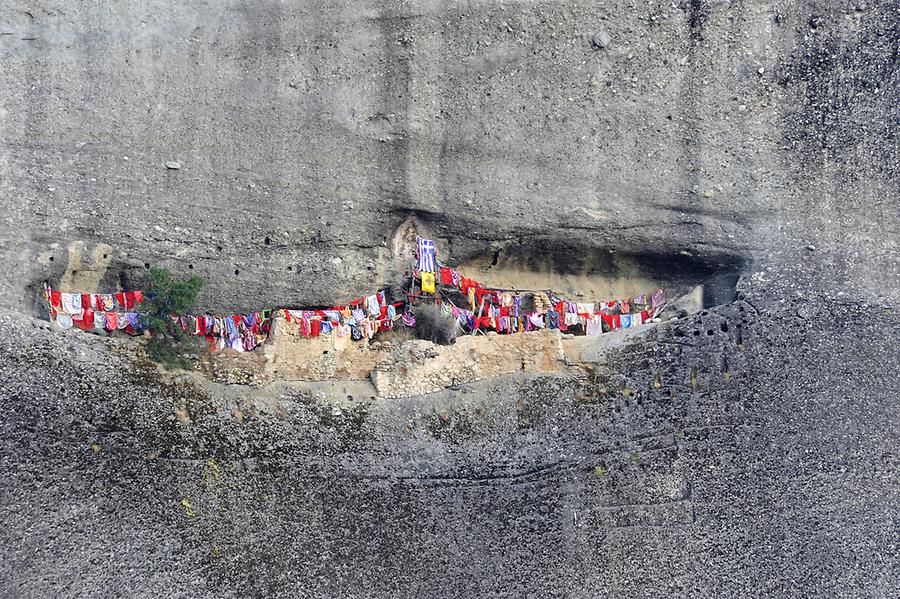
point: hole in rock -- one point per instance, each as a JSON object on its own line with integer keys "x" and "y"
{"x": 699, "y": 279}
{"x": 51, "y": 258}
{"x": 290, "y": 268}
{"x": 267, "y": 241}
{"x": 724, "y": 327}
{"x": 190, "y": 267}
{"x": 237, "y": 272}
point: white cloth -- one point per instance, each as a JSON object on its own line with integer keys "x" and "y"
{"x": 71, "y": 304}
{"x": 594, "y": 326}
{"x": 372, "y": 306}
{"x": 64, "y": 320}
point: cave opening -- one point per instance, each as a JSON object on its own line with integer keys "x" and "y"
{"x": 700, "y": 280}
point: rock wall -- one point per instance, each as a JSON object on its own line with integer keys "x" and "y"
{"x": 279, "y": 150}
{"x": 727, "y": 133}
{"x": 745, "y": 451}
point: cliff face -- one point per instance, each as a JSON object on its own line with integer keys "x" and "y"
{"x": 306, "y": 132}
{"x": 750, "y": 450}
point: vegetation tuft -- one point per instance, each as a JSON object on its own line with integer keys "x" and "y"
{"x": 169, "y": 346}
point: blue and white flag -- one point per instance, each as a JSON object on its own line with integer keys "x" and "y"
{"x": 425, "y": 249}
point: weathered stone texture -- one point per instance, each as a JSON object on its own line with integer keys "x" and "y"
{"x": 739, "y": 452}
{"x": 307, "y": 131}
{"x": 747, "y": 451}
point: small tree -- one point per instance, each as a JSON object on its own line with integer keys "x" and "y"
{"x": 164, "y": 296}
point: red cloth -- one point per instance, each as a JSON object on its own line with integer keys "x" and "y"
{"x": 129, "y": 299}
{"x": 315, "y": 327}
{"x": 446, "y": 276}
{"x": 120, "y": 297}
{"x": 611, "y": 320}
{"x": 112, "y": 321}
{"x": 504, "y": 310}
{"x": 55, "y": 298}
{"x": 287, "y": 315}
{"x": 86, "y": 301}
{"x": 383, "y": 314}
{"x": 87, "y": 321}
{"x": 138, "y": 296}
{"x": 645, "y": 316}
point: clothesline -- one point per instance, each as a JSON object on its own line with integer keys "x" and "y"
{"x": 502, "y": 310}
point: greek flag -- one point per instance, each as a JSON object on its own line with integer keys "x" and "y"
{"x": 425, "y": 248}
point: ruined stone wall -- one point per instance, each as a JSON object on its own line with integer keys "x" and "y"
{"x": 412, "y": 367}
{"x": 419, "y": 367}
{"x": 293, "y": 357}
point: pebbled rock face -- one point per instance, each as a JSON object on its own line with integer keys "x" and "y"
{"x": 748, "y": 450}
{"x": 306, "y": 132}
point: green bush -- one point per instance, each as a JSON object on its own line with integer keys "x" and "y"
{"x": 169, "y": 346}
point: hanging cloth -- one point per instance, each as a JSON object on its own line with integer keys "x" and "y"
{"x": 427, "y": 282}
{"x": 425, "y": 251}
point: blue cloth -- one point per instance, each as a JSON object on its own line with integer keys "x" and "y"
{"x": 553, "y": 319}
{"x": 425, "y": 248}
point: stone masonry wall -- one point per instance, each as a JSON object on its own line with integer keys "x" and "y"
{"x": 419, "y": 367}
{"x": 409, "y": 368}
